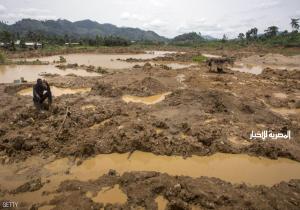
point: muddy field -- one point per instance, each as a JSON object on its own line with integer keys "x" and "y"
{"x": 153, "y": 108}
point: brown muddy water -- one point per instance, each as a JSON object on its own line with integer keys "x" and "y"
{"x": 234, "y": 168}
{"x": 9, "y": 73}
{"x": 57, "y": 91}
{"x": 257, "y": 63}
{"x": 108, "y": 195}
{"x": 109, "y": 61}
{"x": 211, "y": 55}
{"x": 150, "y": 100}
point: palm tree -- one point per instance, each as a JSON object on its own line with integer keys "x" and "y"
{"x": 295, "y": 23}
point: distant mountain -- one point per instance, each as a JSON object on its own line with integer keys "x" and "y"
{"x": 188, "y": 37}
{"x": 84, "y": 28}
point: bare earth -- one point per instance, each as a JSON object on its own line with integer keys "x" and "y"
{"x": 203, "y": 113}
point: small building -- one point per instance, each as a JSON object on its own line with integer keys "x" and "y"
{"x": 72, "y": 43}
{"x": 33, "y": 45}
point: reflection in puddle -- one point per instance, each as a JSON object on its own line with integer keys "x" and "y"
{"x": 161, "y": 202}
{"x": 146, "y": 100}
{"x": 56, "y": 91}
{"x": 232, "y": 168}
{"x": 108, "y": 195}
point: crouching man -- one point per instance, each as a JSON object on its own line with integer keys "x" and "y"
{"x": 41, "y": 92}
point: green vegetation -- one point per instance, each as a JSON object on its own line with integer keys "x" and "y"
{"x": 35, "y": 62}
{"x": 52, "y": 43}
{"x": 199, "y": 59}
{"x": 2, "y": 58}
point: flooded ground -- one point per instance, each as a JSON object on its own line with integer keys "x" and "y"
{"x": 109, "y": 195}
{"x": 9, "y": 73}
{"x": 256, "y": 64}
{"x": 111, "y": 61}
{"x": 211, "y": 55}
{"x": 231, "y": 168}
{"x": 57, "y": 91}
{"x": 146, "y": 100}
{"x": 127, "y": 143}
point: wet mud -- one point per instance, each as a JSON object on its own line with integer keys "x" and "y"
{"x": 203, "y": 114}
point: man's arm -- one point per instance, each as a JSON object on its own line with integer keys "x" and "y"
{"x": 36, "y": 96}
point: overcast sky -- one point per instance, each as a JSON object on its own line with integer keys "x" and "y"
{"x": 166, "y": 17}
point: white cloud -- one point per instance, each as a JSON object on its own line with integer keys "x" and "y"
{"x": 33, "y": 11}
{"x": 268, "y": 4}
{"x": 23, "y": 13}
{"x": 158, "y": 3}
{"x": 132, "y": 17}
{"x": 156, "y": 23}
{"x": 2, "y": 8}
{"x": 201, "y": 25}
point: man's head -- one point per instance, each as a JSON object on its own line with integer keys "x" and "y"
{"x": 39, "y": 81}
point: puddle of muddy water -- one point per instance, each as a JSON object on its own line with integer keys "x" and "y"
{"x": 228, "y": 167}
{"x": 211, "y": 56}
{"x": 109, "y": 195}
{"x": 9, "y": 73}
{"x": 232, "y": 168}
{"x": 56, "y": 91}
{"x": 146, "y": 100}
{"x": 109, "y": 61}
{"x": 161, "y": 202}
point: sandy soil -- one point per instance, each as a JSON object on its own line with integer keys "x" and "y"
{"x": 205, "y": 113}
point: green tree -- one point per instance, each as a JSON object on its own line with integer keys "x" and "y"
{"x": 225, "y": 38}
{"x": 241, "y": 36}
{"x": 271, "y": 31}
{"x": 252, "y": 34}
{"x": 295, "y": 24}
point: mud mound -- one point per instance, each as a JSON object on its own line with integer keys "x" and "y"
{"x": 148, "y": 86}
{"x": 180, "y": 192}
{"x": 281, "y": 74}
{"x": 13, "y": 89}
{"x": 106, "y": 90}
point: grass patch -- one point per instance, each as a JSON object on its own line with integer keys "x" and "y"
{"x": 2, "y": 58}
{"x": 199, "y": 59}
